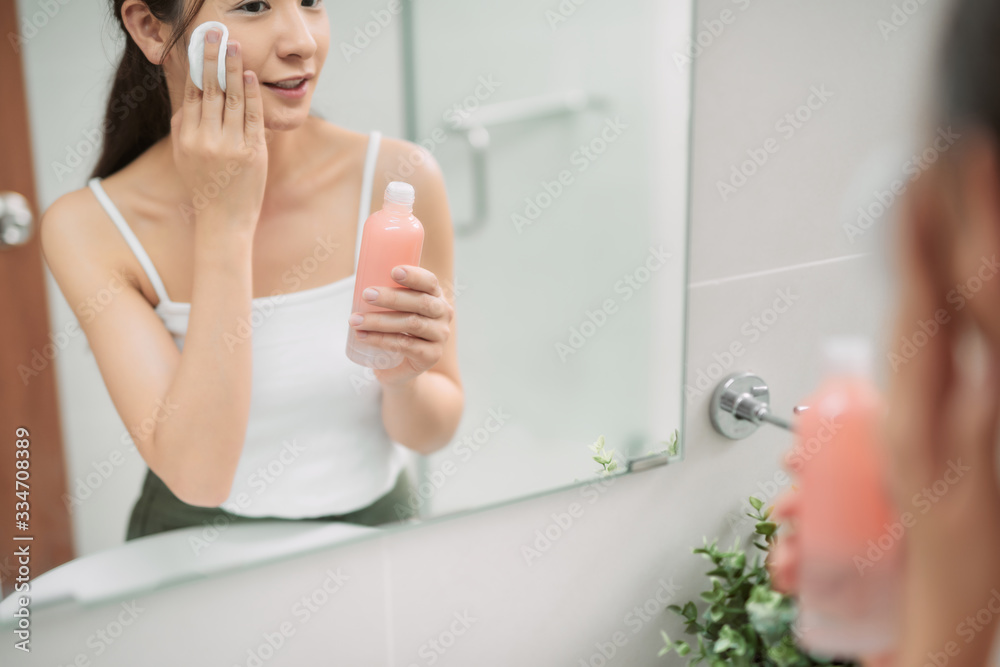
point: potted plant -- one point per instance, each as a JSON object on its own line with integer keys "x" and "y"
{"x": 746, "y": 622}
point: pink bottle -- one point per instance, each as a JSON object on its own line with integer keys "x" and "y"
{"x": 390, "y": 237}
{"x": 850, "y": 536}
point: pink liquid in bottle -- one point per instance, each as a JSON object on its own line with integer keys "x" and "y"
{"x": 850, "y": 537}
{"x": 390, "y": 237}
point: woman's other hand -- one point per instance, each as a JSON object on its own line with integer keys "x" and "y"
{"x": 418, "y": 329}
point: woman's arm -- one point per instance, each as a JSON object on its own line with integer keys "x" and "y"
{"x": 423, "y": 412}
{"x": 197, "y": 449}
{"x": 186, "y": 412}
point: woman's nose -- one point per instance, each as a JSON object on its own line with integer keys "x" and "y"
{"x": 294, "y": 37}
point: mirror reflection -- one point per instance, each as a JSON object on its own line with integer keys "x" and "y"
{"x": 526, "y": 164}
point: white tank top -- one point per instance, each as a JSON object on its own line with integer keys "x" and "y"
{"x": 315, "y": 442}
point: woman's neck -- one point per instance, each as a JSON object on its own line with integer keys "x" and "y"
{"x": 288, "y": 151}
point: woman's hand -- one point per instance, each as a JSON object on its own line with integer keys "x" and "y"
{"x": 219, "y": 141}
{"x": 785, "y": 557}
{"x": 423, "y": 312}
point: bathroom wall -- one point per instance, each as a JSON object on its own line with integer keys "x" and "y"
{"x": 772, "y": 268}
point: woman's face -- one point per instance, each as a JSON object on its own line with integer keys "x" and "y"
{"x": 279, "y": 39}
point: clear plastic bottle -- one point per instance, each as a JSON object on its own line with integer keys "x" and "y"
{"x": 390, "y": 237}
{"x": 849, "y": 533}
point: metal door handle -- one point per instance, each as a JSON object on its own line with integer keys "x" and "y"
{"x": 17, "y": 222}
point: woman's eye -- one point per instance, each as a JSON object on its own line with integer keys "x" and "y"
{"x": 250, "y": 4}
{"x": 244, "y": 8}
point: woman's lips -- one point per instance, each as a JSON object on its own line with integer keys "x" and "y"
{"x": 297, "y": 91}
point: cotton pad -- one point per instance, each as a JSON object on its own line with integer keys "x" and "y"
{"x": 196, "y": 52}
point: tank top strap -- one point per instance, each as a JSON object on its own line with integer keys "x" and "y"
{"x": 374, "y": 139}
{"x": 130, "y": 238}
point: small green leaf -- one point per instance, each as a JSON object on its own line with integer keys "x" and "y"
{"x": 766, "y": 528}
{"x": 756, "y": 502}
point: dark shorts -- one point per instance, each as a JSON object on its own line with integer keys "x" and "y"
{"x": 158, "y": 510}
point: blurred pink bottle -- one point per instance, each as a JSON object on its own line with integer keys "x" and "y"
{"x": 850, "y": 535}
{"x": 390, "y": 237}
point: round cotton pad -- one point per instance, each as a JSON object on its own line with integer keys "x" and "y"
{"x": 196, "y": 52}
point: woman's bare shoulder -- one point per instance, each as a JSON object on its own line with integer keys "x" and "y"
{"x": 75, "y": 229}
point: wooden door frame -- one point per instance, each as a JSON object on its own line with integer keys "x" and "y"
{"x": 28, "y": 396}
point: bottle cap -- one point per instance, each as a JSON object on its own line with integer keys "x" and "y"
{"x": 848, "y": 355}
{"x": 400, "y": 192}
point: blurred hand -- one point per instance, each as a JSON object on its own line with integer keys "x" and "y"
{"x": 784, "y": 558}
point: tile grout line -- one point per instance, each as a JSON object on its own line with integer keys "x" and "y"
{"x": 756, "y": 274}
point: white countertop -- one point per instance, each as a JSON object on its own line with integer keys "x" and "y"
{"x": 174, "y": 556}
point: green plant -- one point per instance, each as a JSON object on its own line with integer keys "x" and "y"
{"x": 606, "y": 459}
{"x": 671, "y": 443}
{"x": 746, "y": 622}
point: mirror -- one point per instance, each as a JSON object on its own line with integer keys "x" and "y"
{"x": 563, "y": 134}
{"x": 561, "y": 130}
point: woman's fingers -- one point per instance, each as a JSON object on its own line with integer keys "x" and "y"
{"x": 397, "y": 322}
{"x": 253, "y": 112}
{"x": 212, "y": 95}
{"x": 232, "y": 122}
{"x": 416, "y": 349}
{"x": 409, "y": 300}
{"x": 191, "y": 108}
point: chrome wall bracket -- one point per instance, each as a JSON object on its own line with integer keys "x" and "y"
{"x": 476, "y": 129}
{"x": 739, "y": 406}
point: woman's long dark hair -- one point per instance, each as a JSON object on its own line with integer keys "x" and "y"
{"x": 968, "y": 77}
{"x": 138, "y": 110}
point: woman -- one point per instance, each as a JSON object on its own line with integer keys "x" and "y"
{"x": 218, "y": 309}
{"x": 944, "y": 401}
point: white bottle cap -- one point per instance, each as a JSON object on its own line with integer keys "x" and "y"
{"x": 848, "y": 355}
{"x": 400, "y": 192}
